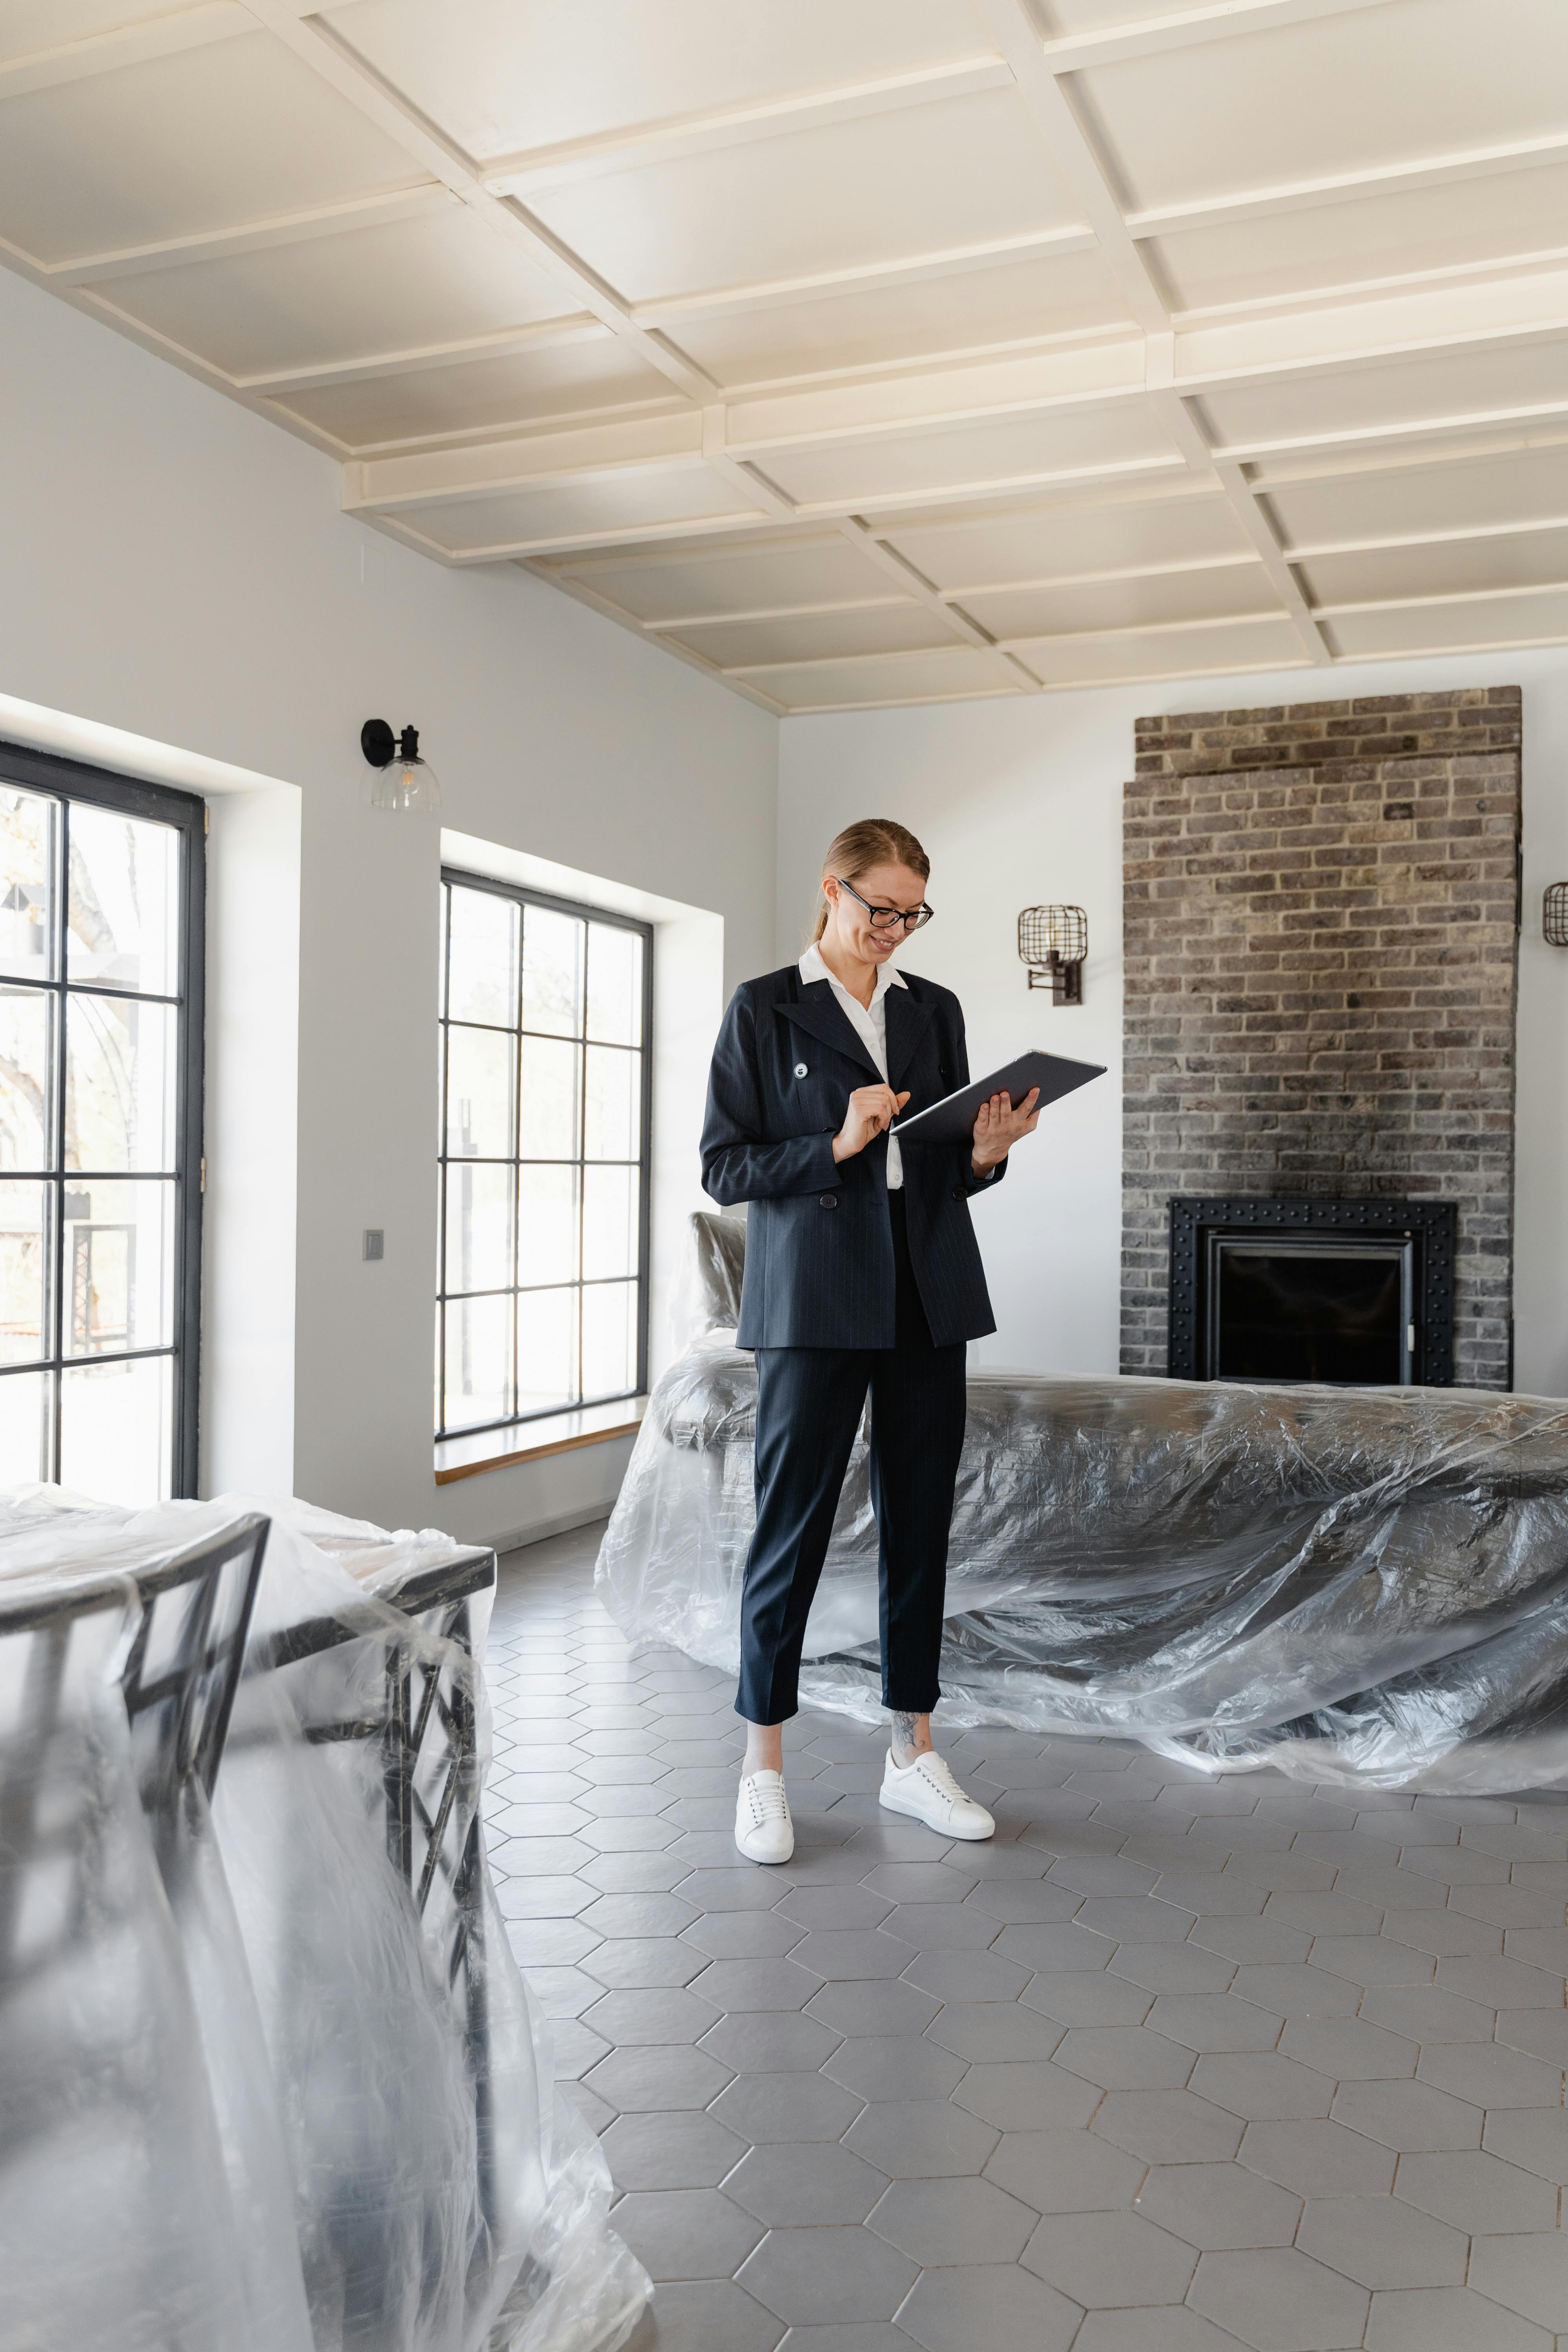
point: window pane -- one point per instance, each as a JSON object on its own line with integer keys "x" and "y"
{"x": 552, "y": 972}
{"x": 483, "y": 958}
{"x": 122, "y": 1076}
{"x": 26, "y": 1413}
{"x": 26, "y": 1117}
{"x": 611, "y": 1198}
{"x": 26, "y": 915}
{"x": 613, "y": 1122}
{"x": 122, "y": 908}
{"x": 479, "y": 1071}
{"x": 550, "y": 1077}
{"x": 609, "y": 1339}
{"x": 24, "y": 1274}
{"x": 119, "y": 1267}
{"x": 478, "y": 1228}
{"x": 546, "y": 1225}
{"x": 479, "y": 1362}
{"x": 615, "y": 985}
{"x": 546, "y": 1349}
{"x": 116, "y": 1429}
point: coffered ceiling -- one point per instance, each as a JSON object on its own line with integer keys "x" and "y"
{"x": 866, "y": 352}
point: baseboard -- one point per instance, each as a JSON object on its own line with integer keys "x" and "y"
{"x": 541, "y": 1530}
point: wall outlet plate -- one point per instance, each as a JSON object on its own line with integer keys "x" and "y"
{"x": 374, "y": 1242}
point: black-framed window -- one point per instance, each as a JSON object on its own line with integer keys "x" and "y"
{"x": 102, "y": 916}
{"x": 542, "y": 1285}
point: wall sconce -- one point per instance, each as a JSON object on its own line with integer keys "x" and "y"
{"x": 1554, "y": 914}
{"x": 1053, "y": 941}
{"x": 404, "y": 780}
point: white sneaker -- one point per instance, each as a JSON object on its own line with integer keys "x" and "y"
{"x": 764, "y": 1830}
{"x": 927, "y": 1790}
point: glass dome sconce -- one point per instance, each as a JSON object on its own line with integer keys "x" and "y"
{"x": 403, "y": 782}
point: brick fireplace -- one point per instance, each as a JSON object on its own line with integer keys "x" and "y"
{"x": 1321, "y": 932}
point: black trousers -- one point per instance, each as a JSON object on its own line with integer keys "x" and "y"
{"x": 809, "y": 1401}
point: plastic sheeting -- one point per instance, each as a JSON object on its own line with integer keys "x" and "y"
{"x": 245, "y": 2109}
{"x": 1359, "y": 1586}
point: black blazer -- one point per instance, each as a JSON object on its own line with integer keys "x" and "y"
{"x": 819, "y": 1251}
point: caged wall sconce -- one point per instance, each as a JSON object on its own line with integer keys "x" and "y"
{"x": 404, "y": 781}
{"x": 1053, "y": 941}
{"x": 1554, "y": 914}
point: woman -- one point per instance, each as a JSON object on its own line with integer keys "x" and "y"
{"x": 862, "y": 1271}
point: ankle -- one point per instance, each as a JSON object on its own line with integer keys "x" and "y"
{"x": 764, "y": 1749}
{"x": 910, "y": 1739}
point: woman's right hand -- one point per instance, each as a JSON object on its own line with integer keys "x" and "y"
{"x": 871, "y": 1108}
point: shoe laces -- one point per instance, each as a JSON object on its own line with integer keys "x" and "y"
{"x": 936, "y": 1770}
{"x": 765, "y": 1795}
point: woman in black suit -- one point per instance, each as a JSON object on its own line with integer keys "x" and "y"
{"x": 862, "y": 1271}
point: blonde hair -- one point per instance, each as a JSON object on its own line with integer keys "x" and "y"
{"x": 870, "y": 841}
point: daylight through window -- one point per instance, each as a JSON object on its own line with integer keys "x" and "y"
{"x": 99, "y": 1115}
{"x": 543, "y": 1219}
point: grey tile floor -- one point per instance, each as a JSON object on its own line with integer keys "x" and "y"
{"x": 1174, "y": 2064}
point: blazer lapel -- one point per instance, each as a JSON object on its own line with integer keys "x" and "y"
{"x": 818, "y": 1012}
{"x": 908, "y": 1021}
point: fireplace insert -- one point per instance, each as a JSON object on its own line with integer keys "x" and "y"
{"x": 1352, "y": 1293}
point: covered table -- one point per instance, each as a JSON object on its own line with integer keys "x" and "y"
{"x": 273, "y": 2080}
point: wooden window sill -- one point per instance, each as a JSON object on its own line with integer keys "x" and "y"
{"x": 534, "y": 1440}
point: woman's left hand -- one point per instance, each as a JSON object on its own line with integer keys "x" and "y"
{"x": 999, "y": 1126}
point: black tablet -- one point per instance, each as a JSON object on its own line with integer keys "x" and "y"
{"x": 951, "y": 1120}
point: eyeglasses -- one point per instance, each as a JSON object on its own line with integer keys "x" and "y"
{"x": 887, "y": 919}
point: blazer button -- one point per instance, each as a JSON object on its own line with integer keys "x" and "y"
{"x": 800, "y": 1069}
{"x": 941, "y": 1069}
{"x": 827, "y": 1200}
{"x": 958, "y": 1191}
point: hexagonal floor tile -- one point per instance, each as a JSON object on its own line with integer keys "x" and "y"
{"x": 764, "y": 2108}
{"x": 686, "y": 2233}
{"x": 1318, "y": 2158}
{"x": 1218, "y": 2208}
{"x": 997, "y": 2307}
{"x": 1124, "y": 2057}
{"x": 1408, "y": 2115}
{"x": 941, "y": 2222}
{"x": 1263, "y": 2086}
{"x": 679, "y": 2150}
{"x": 994, "y": 2030}
{"x": 1383, "y": 2242}
{"x": 1065, "y": 2171}
{"x": 1476, "y": 2191}
{"x": 1110, "y": 2258}
{"x": 1029, "y": 2094}
{"x": 665, "y": 2015}
{"x": 771, "y": 2042}
{"x": 1525, "y": 2274}
{"x": 1280, "y": 2300}
{"x": 896, "y": 2066}
{"x": 819, "y": 2276}
{"x": 1168, "y": 2126}
{"x": 712, "y": 2316}
{"x": 921, "y": 2139}
{"x": 795, "y": 2183}
{"x": 641, "y": 2080}
{"x": 1448, "y": 2319}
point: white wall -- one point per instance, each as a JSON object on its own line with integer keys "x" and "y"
{"x": 1020, "y": 803}
{"x": 177, "y": 568}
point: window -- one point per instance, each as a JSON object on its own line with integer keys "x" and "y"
{"x": 100, "y": 974}
{"x": 542, "y": 1289}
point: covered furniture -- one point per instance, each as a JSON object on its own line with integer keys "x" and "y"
{"x": 1360, "y": 1586}
{"x": 272, "y": 2079}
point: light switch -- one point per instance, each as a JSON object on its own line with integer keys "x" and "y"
{"x": 374, "y": 1242}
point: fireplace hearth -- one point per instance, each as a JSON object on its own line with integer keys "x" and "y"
{"x": 1352, "y": 1293}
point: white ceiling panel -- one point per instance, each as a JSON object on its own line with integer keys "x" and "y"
{"x": 579, "y": 510}
{"x": 1058, "y": 543}
{"x": 1349, "y": 93}
{"x": 914, "y": 464}
{"x": 1465, "y": 225}
{"x": 1448, "y": 568}
{"x": 744, "y": 578}
{"x": 1539, "y": 616}
{"x": 909, "y": 677}
{"x": 882, "y": 325}
{"x": 205, "y": 140}
{"x": 1488, "y": 381}
{"x": 816, "y": 636}
{"x": 443, "y": 278}
{"x": 504, "y": 75}
{"x": 956, "y": 171}
{"x": 1422, "y": 501}
{"x": 828, "y": 343}
{"x": 1172, "y": 653}
{"x": 1156, "y": 600}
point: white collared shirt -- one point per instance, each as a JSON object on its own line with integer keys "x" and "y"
{"x": 871, "y": 1026}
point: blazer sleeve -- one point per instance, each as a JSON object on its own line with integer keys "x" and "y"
{"x": 738, "y": 1162}
{"x": 962, "y": 1152}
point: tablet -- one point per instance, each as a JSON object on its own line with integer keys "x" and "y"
{"x": 951, "y": 1120}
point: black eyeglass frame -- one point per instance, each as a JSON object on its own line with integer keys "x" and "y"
{"x": 884, "y": 917}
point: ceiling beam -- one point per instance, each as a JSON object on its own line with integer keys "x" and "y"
{"x": 865, "y": 278}
{"x": 775, "y": 613}
{"x": 416, "y": 201}
{"x": 1226, "y": 20}
{"x": 638, "y": 145}
{"x": 1347, "y": 188}
{"x": 164, "y": 36}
